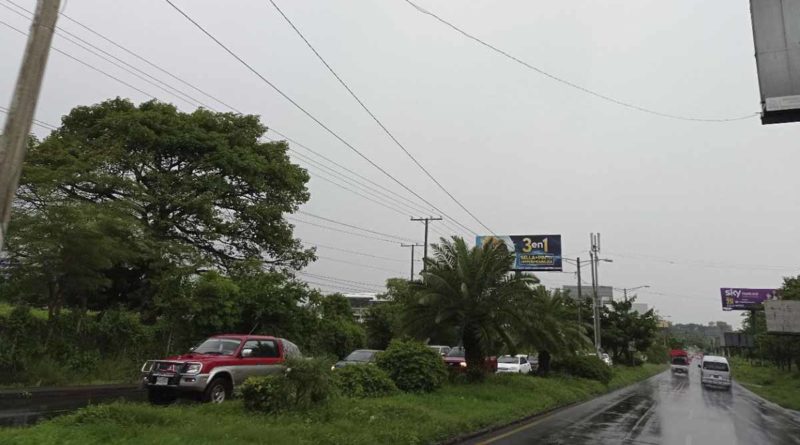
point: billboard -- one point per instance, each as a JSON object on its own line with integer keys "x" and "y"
{"x": 776, "y": 34}
{"x": 738, "y": 299}
{"x": 783, "y": 316}
{"x": 738, "y": 340}
{"x": 531, "y": 252}
{"x": 604, "y": 293}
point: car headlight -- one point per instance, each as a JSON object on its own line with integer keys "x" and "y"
{"x": 333, "y": 367}
{"x": 148, "y": 366}
{"x": 192, "y": 368}
{"x": 463, "y": 364}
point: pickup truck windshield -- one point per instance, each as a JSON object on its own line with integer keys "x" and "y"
{"x": 217, "y": 346}
{"x": 360, "y": 356}
{"x": 456, "y": 352}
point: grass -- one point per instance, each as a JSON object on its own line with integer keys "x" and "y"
{"x": 400, "y": 419}
{"x": 769, "y": 382}
{"x": 5, "y": 310}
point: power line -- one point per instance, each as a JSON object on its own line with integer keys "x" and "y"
{"x": 313, "y": 244}
{"x": 392, "y": 241}
{"x": 375, "y": 118}
{"x": 706, "y": 264}
{"x": 567, "y": 82}
{"x": 105, "y": 55}
{"x": 336, "y": 288}
{"x": 353, "y": 263}
{"x": 307, "y": 113}
{"x": 352, "y": 226}
{"x": 88, "y": 65}
{"x": 340, "y": 280}
{"x": 36, "y": 122}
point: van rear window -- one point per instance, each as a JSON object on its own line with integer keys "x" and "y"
{"x": 715, "y": 366}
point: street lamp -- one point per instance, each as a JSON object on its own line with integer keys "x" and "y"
{"x": 626, "y": 289}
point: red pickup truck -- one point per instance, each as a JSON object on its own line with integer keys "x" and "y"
{"x": 455, "y": 361}
{"x": 679, "y": 362}
{"x": 212, "y": 369}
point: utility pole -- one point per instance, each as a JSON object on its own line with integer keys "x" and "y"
{"x": 580, "y": 296}
{"x": 594, "y": 253}
{"x": 425, "y": 250}
{"x": 14, "y": 139}
{"x": 412, "y": 246}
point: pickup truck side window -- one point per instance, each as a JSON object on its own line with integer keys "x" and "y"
{"x": 262, "y": 348}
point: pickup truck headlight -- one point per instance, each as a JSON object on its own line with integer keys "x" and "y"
{"x": 463, "y": 364}
{"x": 148, "y": 366}
{"x": 192, "y": 368}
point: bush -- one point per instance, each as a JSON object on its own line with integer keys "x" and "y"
{"x": 412, "y": 366}
{"x": 364, "y": 381}
{"x": 304, "y": 384}
{"x": 585, "y": 366}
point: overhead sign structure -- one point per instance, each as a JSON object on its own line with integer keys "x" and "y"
{"x": 776, "y": 33}
{"x": 783, "y": 316}
{"x": 738, "y": 299}
{"x": 534, "y": 253}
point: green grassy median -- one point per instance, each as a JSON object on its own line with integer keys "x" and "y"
{"x": 401, "y": 419}
{"x": 769, "y": 382}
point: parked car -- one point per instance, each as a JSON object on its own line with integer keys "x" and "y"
{"x": 441, "y": 350}
{"x": 513, "y": 364}
{"x": 357, "y": 357}
{"x": 456, "y": 362}
{"x": 715, "y": 371}
{"x": 606, "y": 359}
{"x": 211, "y": 370}
{"x": 533, "y": 359}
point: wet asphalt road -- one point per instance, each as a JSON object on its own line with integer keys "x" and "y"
{"x": 663, "y": 410}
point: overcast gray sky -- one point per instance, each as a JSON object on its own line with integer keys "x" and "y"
{"x": 685, "y": 207}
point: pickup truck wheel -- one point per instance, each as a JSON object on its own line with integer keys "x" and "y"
{"x": 160, "y": 396}
{"x": 218, "y": 391}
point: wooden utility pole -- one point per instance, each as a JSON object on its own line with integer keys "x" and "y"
{"x": 412, "y": 246}
{"x": 14, "y": 140}
{"x": 425, "y": 249}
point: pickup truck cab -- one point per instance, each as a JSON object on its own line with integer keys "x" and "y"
{"x": 212, "y": 369}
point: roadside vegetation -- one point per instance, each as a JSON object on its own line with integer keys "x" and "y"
{"x": 778, "y": 385}
{"x": 407, "y": 418}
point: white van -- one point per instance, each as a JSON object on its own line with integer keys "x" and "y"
{"x": 715, "y": 371}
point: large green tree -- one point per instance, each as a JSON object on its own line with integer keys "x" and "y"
{"x": 622, "y": 327}
{"x": 197, "y": 189}
{"x": 473, "y": 291}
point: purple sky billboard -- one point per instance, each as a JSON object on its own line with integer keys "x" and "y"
{"x": 739, "y": 299}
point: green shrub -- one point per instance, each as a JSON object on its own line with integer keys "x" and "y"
{"x": 364, "y": 381}
{"x": 304, "y": 384}
{"x": 586, "y": 366}
{"x": 412, "y": 366}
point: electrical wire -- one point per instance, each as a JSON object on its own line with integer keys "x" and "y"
{"x": 375, "y": 118}
{"x": 353, "y": 263}
{"x": 570, "y": 83}
{"x": 392, "y": 241}
{"x": 36, "y": 122}
{"x": 704, "y": 264}
{"x": 352, "y": 226}
{"x": 308, "y": 114}
{"x": 313, "y": 244}
{"x": 341, "y": 280}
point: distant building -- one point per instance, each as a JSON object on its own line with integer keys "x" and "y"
{"x": 639, "y": 308}
{"x": 606, "y": 293}
{"x": 361, "y": 302}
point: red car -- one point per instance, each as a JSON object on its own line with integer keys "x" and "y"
{"x": 212, "y": 369}
{"x": 455, "y": 361}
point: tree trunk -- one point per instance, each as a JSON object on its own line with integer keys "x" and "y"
{"x": 473, "y": 352}
{"x": 544, "y": 363}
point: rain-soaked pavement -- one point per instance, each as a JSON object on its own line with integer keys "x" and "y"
{"x": 663, "y": 410}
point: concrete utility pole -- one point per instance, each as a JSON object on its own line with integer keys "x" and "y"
{"x": 14, "y": 140}
{"x": 425, "y": 251}
{"x": 580, "y": 286}
{"x": 412, "y": 246}
{"x": 594, "y": 253}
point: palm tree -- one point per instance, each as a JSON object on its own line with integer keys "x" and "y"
{"x": 548, "y": 326}
{"x": 470, "y": 290}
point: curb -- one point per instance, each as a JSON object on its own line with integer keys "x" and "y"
{"x": 494, "y": 428}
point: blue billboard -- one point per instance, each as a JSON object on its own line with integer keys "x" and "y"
{"x": 531, "y": 252}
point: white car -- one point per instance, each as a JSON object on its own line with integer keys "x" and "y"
{"x": 513, "y": 364}
{"x": 606, "y": 359}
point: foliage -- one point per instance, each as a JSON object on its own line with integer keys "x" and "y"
{"x": 621, "y": 327}
{"x": 121, "y": 198}
{"x": 412, "y": 366}
{"x": 305, "y": 383}
{"x": 471, "y": 291}
{"x": 782, "y": 350}
{"x": 403, "y": 420}
{"x": 336, "y": 332}
{"x": 775, "y": 384}
{"x": 381, "y": 324}
{"x": 586, "y": 366}
{"x": 364, "y": 381}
